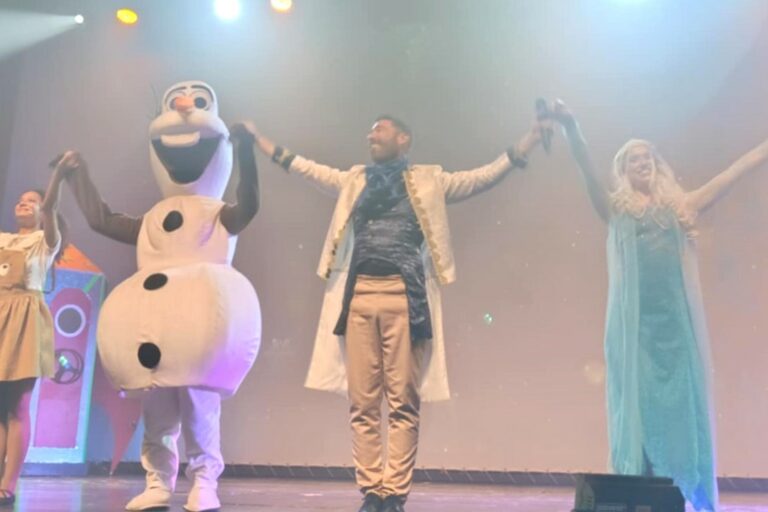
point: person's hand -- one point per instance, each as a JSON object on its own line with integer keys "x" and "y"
{"x": 533, "y": 136}
{"x": 68, "y": 163}
{"x": 560, "y": 112}
{"x": 243, "y": 132}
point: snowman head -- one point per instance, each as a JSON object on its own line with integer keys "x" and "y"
{"x": 189, "y": 146}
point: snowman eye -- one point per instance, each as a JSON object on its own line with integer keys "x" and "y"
{"x": 203, "y": 98}
{"x": 171, "y": 99}
{"x": 4, "y": 268}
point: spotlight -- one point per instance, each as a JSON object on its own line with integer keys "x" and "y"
{"x": 79, "y": 19}
{"x": 282, "y": 5}
{"x": 227, "y": 10}
{"x": 127, "y": 16}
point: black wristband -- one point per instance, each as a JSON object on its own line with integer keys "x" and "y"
{"x": 283, "y": 157}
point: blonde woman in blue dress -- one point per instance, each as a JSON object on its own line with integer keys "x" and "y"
{"x": 658, "y": 368}
{"x": 26, "y": 328}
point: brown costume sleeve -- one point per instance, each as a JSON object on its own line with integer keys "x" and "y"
{"x": 116, "y": 226}
{"x": 235, "y": 217}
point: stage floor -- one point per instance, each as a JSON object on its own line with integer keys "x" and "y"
{"x": 268, "y": 495}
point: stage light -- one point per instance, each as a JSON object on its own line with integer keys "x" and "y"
{"x": 79, "y": 19}
{"x": 127, "y": 16}
{"x": 22, "y": 29}
{"x": 282, "y": 5}
{"x": 227, "y": 10}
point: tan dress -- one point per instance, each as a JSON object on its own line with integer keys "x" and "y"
{"x": 26, "y": 327}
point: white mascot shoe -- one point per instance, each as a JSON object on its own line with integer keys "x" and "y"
{"x": 151, "y": 498}
{"x": 202, "y": 499}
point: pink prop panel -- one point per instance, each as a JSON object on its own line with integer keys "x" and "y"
{"x": 60, "y": 397}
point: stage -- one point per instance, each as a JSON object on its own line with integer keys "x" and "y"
{"x": 271, "y": 495}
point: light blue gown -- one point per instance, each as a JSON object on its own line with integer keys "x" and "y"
{"x": 657, "y": 357}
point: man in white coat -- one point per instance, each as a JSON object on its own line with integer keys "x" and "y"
{"x": 387, "y": 251}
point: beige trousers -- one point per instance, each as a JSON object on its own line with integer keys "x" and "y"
{"x": 382, "y": 363}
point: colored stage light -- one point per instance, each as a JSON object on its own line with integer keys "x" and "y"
{"x": 127, "y": 16}
{"x": 282, "y": 5}
{"x": 79, "y": 19}
{"x": 227, "y": 10}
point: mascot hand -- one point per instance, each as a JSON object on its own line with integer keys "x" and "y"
{"x": 243, "y": 133}
{"x": 67, "y": 163}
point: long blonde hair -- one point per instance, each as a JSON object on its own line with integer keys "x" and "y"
{"x": 664, "y": 188}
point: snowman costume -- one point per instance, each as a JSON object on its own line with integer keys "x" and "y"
{"x": 185, "y": 329}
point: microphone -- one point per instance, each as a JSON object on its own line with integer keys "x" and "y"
{"x": 53, "y": 163}
{"x": 542, "y": 112}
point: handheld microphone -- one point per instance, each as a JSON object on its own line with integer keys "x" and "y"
{"x": 53, "y": 163}
{"x": 542, "y": 112}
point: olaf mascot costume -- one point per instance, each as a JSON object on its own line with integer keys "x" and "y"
{"x": 185, "y": 329}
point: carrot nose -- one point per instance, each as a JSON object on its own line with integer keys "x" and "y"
{"x": 183, "y": 104}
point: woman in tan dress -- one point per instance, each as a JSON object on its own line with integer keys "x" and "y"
{"x": 26, "y": 328}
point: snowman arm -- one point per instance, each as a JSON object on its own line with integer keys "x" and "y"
{"x": 100, "y": 217}
{"x": 235, "y": 217}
